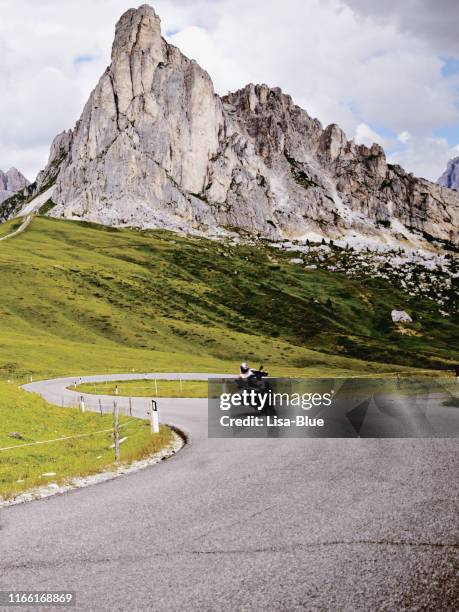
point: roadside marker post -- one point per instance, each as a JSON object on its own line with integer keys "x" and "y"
{"x": 82, "y": 406}
{"x": 130, "y": 406}
{"x": 116, "y": 435}
{"x": 100, "y": 407}
{"x": 154, "y": 417}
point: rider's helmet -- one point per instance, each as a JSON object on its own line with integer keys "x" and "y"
{"x": 244, "y": 368}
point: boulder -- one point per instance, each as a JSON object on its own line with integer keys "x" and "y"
{"x": 401, "y": 316}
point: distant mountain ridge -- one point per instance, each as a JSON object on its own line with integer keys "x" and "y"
{"x": 450, "y": 177}
{"x": 11, "y": 182}
{"x": 156, "y": 147}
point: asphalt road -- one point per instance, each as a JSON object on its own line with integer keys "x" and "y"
{"x": 248, "y": 524}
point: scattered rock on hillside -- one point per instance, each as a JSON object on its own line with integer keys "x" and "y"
{"x": 15, "y": 435}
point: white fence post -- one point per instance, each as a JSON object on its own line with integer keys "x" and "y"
{"x": 154, "y": 418}
{"x": 116, "y": 435}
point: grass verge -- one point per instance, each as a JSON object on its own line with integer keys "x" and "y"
{"x": 452, "y": 401}
{"x": 25, "y": 419}
{"x": 146, "y": 388}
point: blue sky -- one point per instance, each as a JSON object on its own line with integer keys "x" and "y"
{"x": 83, "y": 59}
{"x": 450, "y": 66}
{"x": 385, "y": 72}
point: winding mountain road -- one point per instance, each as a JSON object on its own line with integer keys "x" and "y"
{"x": 24, "y": 225}
{"x": 247, "y": 524}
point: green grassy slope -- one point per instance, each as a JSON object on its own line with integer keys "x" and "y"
{"x": 80, "y": 298}
{"x": 145, "y": 388}
{"x": 10, "y": 226}
{"x": 26, "y": 419}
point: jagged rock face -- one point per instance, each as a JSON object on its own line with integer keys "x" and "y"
{"x": 450, "y": 177}
{"x": 156, "y": 147}
{"x": 11, "y": 182}
{"x": 146, "y": 135}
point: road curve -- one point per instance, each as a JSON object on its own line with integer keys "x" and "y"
{"x": 24, "y": 225}
{"x": 247, "y": 524}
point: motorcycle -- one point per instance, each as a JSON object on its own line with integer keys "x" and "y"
{"x": 258, "y": 383}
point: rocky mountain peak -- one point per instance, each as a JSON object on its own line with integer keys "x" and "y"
{"x": 136, "y": 28}
{"x": 450, "y": 177}
{"x": 137, "y": 50}
{"x": 156, "y": 147}
{"x": 11, "y": 182}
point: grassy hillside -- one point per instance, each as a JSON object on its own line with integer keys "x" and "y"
{"x": 26, "y": 419}
{"x": 144, "y": 387}
{"x": 80, "y": 298}
{"x": 10, "y": 226}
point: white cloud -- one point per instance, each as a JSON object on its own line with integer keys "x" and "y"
{"x": 424, "y": 156}
{"x": 43, "y": 87}
{"x": 404, "y": 137}
{"x": 227, "y": 73}
{"x": 339, "y": 64}
{"x": 434, "y": 21}
{"x": 365, "y": 135}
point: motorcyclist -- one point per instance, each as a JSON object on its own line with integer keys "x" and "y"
{"x": 245, "y": 371}
{"x": 251, "y": 376}
{"x": 254, "y": 379}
